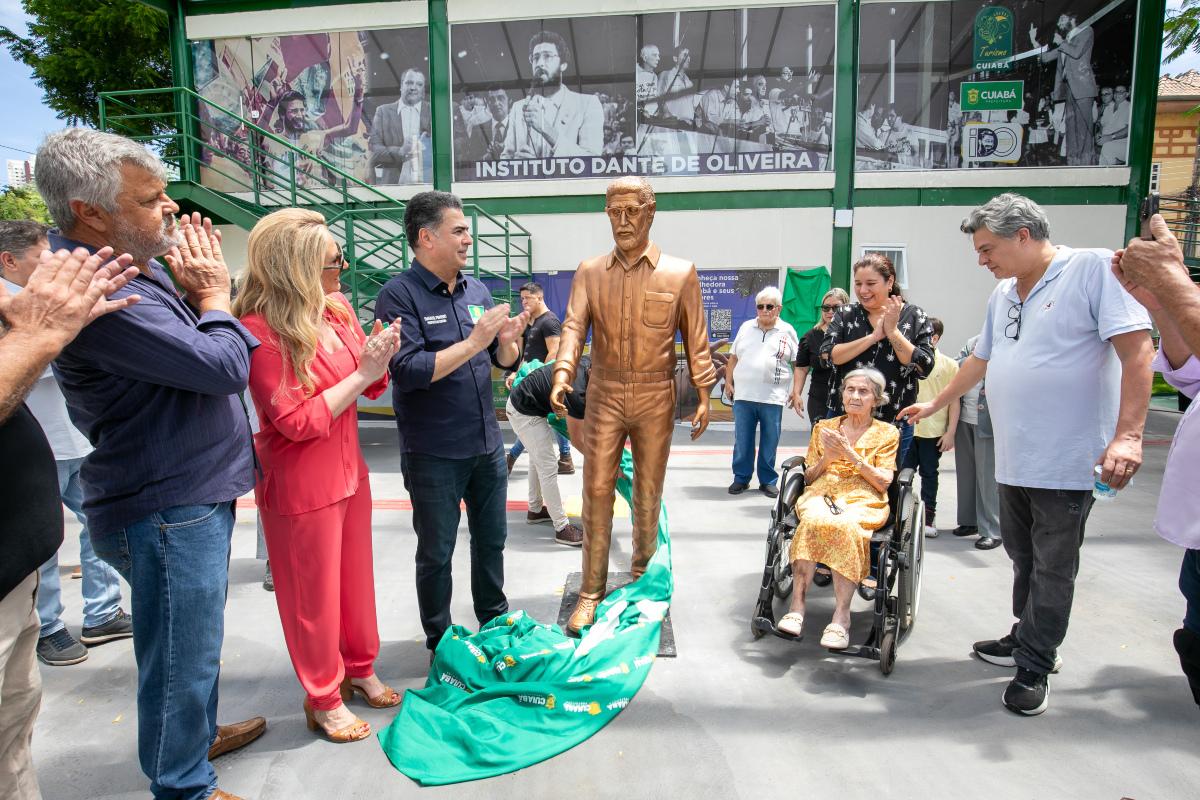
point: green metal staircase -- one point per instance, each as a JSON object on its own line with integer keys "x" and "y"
{"x": 260, "y": 172}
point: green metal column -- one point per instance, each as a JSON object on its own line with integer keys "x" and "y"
{"x": 846, "y": 108}
{"x": 182, "y": 76}
{"x": 440, "y": 102}
{"x": 1146, "y": 65}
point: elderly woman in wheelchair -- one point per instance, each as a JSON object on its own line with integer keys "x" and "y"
{"x": 850, "y": 464}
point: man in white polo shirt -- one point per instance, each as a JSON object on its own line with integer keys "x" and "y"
{"x": 1067, "y": 354}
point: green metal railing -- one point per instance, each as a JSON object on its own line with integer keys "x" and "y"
{"x": 1182, "y": 214}
{"x": 249, "y": 172}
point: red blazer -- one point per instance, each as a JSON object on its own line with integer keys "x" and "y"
{"x": 310, "y": 459}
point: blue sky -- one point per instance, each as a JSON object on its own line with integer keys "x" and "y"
{"x": 27, "y": 119}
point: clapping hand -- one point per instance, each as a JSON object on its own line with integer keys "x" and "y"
{"x": 197, "y": 262}
{"x": 836, "y": 445}
{"x": 377, "y": 351}
{"x": 512, "y": 327}
{"x": 892, "y": 307}
{"x": 67, "y": 290}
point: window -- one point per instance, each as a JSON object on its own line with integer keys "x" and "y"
{"x": 896, "y": 253}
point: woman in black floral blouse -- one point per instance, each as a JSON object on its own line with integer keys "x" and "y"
{"x": 882, "y": 331}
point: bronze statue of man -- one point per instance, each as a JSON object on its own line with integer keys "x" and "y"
{"x": 634, "y": 299}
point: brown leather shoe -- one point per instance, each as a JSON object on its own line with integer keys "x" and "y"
{"x": 583, "y": 615}
{"x": 571, "y": 535}
{"x": 534, "y": 517}
{"x": 220, "y": 795}
{"x": 239, "y": 734}
{"x": 566, "y": 466}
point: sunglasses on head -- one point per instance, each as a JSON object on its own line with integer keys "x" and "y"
{"x": 766, "y": 306}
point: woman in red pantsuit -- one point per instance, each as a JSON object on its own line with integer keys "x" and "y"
{"x": 313, "y": 493}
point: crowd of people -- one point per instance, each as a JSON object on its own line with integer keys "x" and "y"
{"x": 159, "y": 489}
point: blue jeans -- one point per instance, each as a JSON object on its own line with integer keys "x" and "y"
{"x": 101, "y": 584}
{"x": 906, "y": 437}
{"x": 1189, "y": 585}
{"x": 436, "y": 486}
{"x": 177, "y": 563}
{"x": 564, "y": 447}
{"x": 747, "y": 417}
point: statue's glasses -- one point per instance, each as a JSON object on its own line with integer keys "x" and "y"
{"x": 632, "y": 213}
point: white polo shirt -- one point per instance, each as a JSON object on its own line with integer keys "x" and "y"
{"x": 1054, "y": 392}
{"x": 765, "y": 359}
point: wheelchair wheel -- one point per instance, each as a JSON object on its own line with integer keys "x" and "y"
{"x": 908, "y": 592}
{"x": 755, "y": 632}
{"x": 783, "y": 580}
{"x": 887, "y": 652}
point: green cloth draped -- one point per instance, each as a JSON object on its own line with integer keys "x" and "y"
{"x": 520, "y": 691}
{"x": 802, "y": 293}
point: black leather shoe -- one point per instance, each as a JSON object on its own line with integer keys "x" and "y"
{"x": 738, "y": 488}
{"x": 965, "y": 530}
{"x": 986, "y": 543}
{"x": 770, "y": 490}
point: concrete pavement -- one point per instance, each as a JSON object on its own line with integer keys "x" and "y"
{"x": 730, "y": 717}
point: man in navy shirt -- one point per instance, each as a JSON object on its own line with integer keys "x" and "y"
{"x": 451, "y": 335}
{"x": 155, "y": 387}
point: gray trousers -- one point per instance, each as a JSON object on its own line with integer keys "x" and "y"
{"x": 975, "y": 470}
{"x": 1043, "y": 531}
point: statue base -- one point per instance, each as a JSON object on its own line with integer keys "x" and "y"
{"x": 666, "y": 641}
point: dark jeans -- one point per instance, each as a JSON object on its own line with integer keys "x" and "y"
{"x": 436, "y": 486}
{"x": 177, "y": 564}
{"x": 1189, "y": 585}
{"x": 906, "y": 439}
{"x": 749, "y": 416}
{"x": 1042, "y": 531}
{"x": 924, "y": 456}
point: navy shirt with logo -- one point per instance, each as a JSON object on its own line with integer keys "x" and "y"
{"x": 453, "y": 417}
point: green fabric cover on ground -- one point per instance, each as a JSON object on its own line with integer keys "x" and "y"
{"x": 802, "y": 293}
{"x": 520, "y": 691}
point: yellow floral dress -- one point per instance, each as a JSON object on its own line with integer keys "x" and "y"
{"x": 842, "y": 541}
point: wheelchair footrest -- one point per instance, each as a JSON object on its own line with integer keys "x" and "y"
{"x": 767, "y": 626}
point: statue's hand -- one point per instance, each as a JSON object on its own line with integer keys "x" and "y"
{"x": 700, "y": 420}
{"x": 558, "y": 394}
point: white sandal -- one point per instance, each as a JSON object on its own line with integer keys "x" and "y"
{"x": 835, "y": 637}
{"x": 792, "y": 624}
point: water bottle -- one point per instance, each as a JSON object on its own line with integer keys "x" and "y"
{"x": 1101, "y": 490}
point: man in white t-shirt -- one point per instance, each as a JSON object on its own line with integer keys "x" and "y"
{"x": 762, "y": 365}
{"x": 21, "y": 242}
{"x": 1067, "y": 354}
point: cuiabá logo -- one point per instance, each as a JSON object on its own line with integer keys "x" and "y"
{"x": 972, "y": 96}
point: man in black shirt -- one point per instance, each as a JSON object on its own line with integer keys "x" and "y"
{"x": 541, "y": 343}
{"x": 527, "y": 409}
{"x": 63, "y": 294}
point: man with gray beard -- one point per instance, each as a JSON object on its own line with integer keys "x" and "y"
{"x": 155, "y": 388}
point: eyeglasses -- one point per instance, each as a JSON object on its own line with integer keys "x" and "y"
{"x": 619, "y": 213}
{"x": 833, "y": 507}
{"x": 338, "y": 263}
{"x": 830, "y": 309}
{"x": 766, "y": 306}
{"x": 1013, "y": 329}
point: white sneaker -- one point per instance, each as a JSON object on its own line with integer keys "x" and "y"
{"x": 931, "y": 532}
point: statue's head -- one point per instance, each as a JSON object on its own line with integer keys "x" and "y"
{"x": 630, "y": 208}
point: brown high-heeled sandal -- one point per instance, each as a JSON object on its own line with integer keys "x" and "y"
{"x": 355, "y": 731}
{"x": 389, "y": 698}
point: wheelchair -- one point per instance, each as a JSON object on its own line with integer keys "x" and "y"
{"x": 898, "y": 550}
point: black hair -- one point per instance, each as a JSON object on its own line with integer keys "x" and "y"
{"x": 289, "y": 97}
{"x": 883, "y": 265}
{"x": 533, "y": 287}
{"x": 424, "y": 210}
{"x": 938, "y": 327}
{"x": 560, "y": 44}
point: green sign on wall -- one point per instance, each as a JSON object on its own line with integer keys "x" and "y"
{"x": 991, "y": 95}
{"x": 993, "y": 38}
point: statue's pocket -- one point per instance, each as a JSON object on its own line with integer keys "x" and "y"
{"x": 656, "y": 309}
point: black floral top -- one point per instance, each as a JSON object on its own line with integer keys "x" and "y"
{"x": 851, "y": 323}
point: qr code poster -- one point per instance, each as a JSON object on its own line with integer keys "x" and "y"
{"x": 728, "y": 297}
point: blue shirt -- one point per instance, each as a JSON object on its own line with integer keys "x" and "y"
{"x": 155, "y": 389}
{"x": 453, "y": 417}
{"x": 1054, "y": 391}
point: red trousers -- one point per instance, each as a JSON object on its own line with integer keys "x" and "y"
{"x": 325, "y": 588}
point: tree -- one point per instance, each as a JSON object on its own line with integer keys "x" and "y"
{"x": 23, "y": 202}
{"x": 81, "y": 48}
{"x": 1181, "y": 30}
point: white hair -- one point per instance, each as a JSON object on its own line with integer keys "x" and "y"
{"x": 1006, "y": 214}
{"x": 769, "y": 294}
{"x": 878, "y": 382}
{"x": 85, "y": 165}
